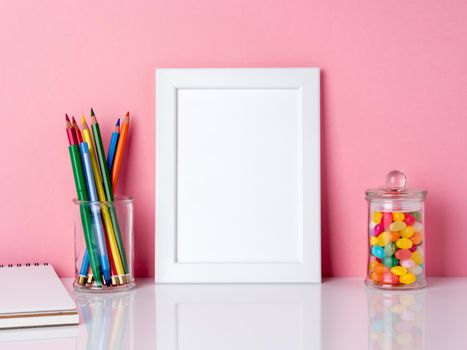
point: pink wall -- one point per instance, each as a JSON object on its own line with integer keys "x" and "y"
{"x": 394, "y": 96}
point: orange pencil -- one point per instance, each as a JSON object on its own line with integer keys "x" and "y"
{"x": 119, "y": 152}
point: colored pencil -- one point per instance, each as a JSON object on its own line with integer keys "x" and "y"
{"x": 119, "y": 152}
{"x": 95, "y": 212}
{"x": 82, "y": 196}
{"x": 113, "y": 147}
{"x": 110, "y": 233}
{"x": 108, "y": 187}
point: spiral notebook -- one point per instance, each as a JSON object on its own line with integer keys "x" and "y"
{"x": 32, "y": 295}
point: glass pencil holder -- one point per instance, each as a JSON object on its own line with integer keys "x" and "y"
{"x": 396, "y": 235}
{"x": 104, "y": 249}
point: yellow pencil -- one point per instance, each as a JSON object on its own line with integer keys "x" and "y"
{"x": 105, "y": 211}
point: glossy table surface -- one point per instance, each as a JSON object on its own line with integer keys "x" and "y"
{"x": 338, "y": 314}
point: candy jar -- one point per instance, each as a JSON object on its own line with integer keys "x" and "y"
{"x": 396, "y": 235}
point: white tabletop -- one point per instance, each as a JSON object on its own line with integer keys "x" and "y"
{"x": 338, "y": 314}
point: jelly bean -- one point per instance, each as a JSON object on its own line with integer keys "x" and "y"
{"x": 397, "y": 226}
{"x": 380, "y": 269}
{"x": 372, "y": 224}
{"x": 376, "y": 217}
{"x": 373, "y": 240}
{"x": 417, "y": 258}
{"x": 372, "y": 265}
{"x": 403, "y": 254}
{"x": 417, "y": 238}
{"x": 379, "y": 260}
{"x": 416, "y": 270}
{"x": 408, "y": 278}
{"x": 404, "y": 243}
{"x": 390, "y": 278}
{"x": 399, "y": 270}
{"x": 383, "y": 239}
{"x": 394, "y": 236}
{"x": 409, "y": 219}
{"x": 377, "y": 251}
{"x": 398, "y": 216}
{"x": 407, "y": 232}
{"x": 376, "y": 277}
{"x": 409, "y": 263}
{"x": 414, "y": 248}
{"x": 417, "y": 227}
{"x": 386, "y": 220}
{"x": 377, "y": 230}
{"x": 390, "y": 249}
{"x": 390, "y": 261}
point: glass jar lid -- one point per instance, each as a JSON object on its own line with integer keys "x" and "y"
{"x": 395, "y": 189}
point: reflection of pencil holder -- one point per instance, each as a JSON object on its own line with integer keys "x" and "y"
{"x": 104, "y": 245}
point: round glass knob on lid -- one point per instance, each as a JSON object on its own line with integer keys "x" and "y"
{"x": 396, "y": 180}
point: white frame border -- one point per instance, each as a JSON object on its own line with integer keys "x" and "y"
{"x": 167, "y": 270}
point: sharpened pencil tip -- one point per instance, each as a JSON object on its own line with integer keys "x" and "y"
{"x": 92, "y": 113}
{"x": 73, "y": 120}
{"x": 127, "y": 114}
{"x": 118, "y": 122}
{"x": 83, "y": 120}
{"x": 66, "y": 117}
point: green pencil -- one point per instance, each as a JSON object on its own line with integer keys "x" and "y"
{"x": 83, "y": 196}
{"x": 108, "y": 187}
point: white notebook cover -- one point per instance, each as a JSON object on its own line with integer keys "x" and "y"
{"x": 33, "y": 295}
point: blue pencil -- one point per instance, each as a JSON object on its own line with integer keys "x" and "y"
{"x": 113, "y": 146}
{"x": 95, "y": 211}
{"x": 83, "y": 272}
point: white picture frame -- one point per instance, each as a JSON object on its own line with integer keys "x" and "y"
{"x": 238, "y": 175}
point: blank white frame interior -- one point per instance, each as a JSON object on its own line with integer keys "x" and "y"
{"x": 238, "y": 175}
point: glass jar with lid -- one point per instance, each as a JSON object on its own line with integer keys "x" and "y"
{"x": 396, "y": 235}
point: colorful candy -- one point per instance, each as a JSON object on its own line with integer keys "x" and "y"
{"x": 395, "y": 243}
{"x": 417, "y": 227}
{"x": 417, "y": 258}
{"x": 409, "y": 219}
{"x": 377, "y": 251}
{"x": 386, "y": 220}
{"x": 408, "y": 263}
{"x": 377, "y": 230}
{"x": 399, "y": 270}
{"x": 417, "y": 238}
{"x": 376, "y": 217}
{"x": 389, "y": 278}
{"x": 398, "y": 216}
{"x": 407, "y": 232}
{"x": 390, "y": 249}
{"x": 404, "y": 243}
{"x": 403, "y": 254}
{"x": 408, "y": 278}
{"x": 397, "y": 226}
{"x": 390, "y": 261}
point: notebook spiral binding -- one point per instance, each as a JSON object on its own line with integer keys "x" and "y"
{"x": 23, "y": 265}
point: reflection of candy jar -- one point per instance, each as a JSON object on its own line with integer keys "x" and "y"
{"x": 396, "y": 320}
{"x": 396, "y": 235}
